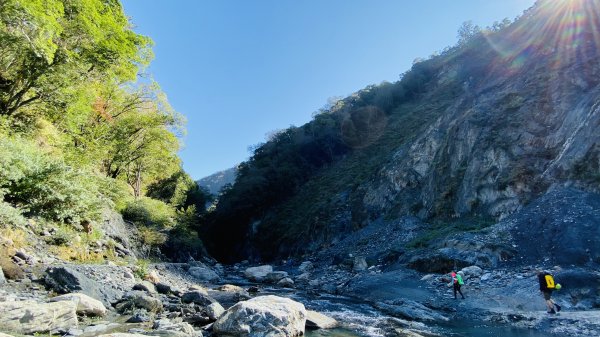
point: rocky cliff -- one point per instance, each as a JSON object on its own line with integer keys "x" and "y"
{"x": 493, "y": 125}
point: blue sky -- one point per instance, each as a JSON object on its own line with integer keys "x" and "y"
{"x": 240, "y": 69}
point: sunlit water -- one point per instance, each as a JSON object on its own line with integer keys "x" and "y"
{"x": 362, "y": 320}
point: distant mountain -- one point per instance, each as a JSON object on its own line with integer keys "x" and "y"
{"x": 465, "y": 139}
{"x": 214, "y": 182}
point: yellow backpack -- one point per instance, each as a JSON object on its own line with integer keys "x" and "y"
{"x": 549, "y": 281}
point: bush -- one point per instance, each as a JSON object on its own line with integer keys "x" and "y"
{"x": 41, "y": 184}
{"x": 148, "y": 212}
{"x": 10, "y": 216}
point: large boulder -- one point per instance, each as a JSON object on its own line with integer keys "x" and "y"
{"x": 471, "y": 271}
{"x": 66, "y": 280}
{"x": 263, "y": 316}
{"x": 203, "y": 273}
{"x": 29, "y": 317}
{"x": 214, "y": 311}
{"x": 85, "y": 305}
{"x": 316, "y": 320}
{"x": 258, "y": 274}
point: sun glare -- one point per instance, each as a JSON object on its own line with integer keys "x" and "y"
{"x": 567, "y": 29}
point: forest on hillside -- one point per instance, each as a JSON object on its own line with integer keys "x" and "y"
{"x": 83, "y": 130}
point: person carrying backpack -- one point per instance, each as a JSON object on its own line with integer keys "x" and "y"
{"x": 457, "y": 282}
{"x": 547, "y": 285}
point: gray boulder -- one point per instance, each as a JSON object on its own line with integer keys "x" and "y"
{"x": 258, "y": 274}
{"x": 316, "y": 320}
{"x": 137, "y": 299}
{"x": 214, "y": 311}
{"x": 173, "y": 328}
{"x": 2, "y": 278}
{"x": 305, "y": 267}
{"x": 145, "y": 286}
{"x": 471, "y": 271}
{"x": 359, "y": 264}
{"x": 29, "y": 317}
{"x": 66, "y": 280}
{"x": 274, "y": 277}
{"x": 197, "y": 297}
{"x": 85, "y": 305}
{"x": 286, "y": 283}
{"x": 261, "y": 317}
{"x": 204, "y": 274}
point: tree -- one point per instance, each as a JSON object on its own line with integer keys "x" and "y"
{"x": 47, "y": 46}
{"x": 467, "y": 31}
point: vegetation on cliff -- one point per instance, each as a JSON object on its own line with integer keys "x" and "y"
{"x": 80, "y": 130}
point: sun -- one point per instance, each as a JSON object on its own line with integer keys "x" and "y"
{"x": 566, "y": 29}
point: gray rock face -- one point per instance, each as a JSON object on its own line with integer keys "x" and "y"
{"x": 204, "y": 274}
{"x": 29, "y": 317}
{"x": 65, "y": 280}
{"x": 263, "y": 316}
{"x": 258, "y": 274}
{"x": 85, "y": 305}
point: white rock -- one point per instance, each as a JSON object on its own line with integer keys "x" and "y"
{"x": 29, "y": 317}
{"x": 286, "y": 282}
{"x": 471, "y": 271}
{"x": 263, "y": 316}
{"x": 258, "y": 274}
{"x": 85, "y": 304}
{"x": 214, "y": 310}
{"x": 427, "y": 277}
{"x": 316, "y": 320}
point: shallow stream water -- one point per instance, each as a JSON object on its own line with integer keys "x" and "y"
{"x": 362, "y": 320}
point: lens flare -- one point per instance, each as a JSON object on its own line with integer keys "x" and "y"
{"x": 568, "y": 30}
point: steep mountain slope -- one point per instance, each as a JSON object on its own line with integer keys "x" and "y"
{"x": 215, "y": 182}
{"x": 467, "y": 137}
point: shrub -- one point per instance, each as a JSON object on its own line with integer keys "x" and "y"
{"x": 41, "y": 184}
{"x": 148, "y": 212}
{"x": 10, "y": 216}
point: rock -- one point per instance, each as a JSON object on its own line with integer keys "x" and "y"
{"x": 141, "y": 300}
{"x": 274, "y": 277}
{"x": 306, "y": 267}
{"x": 2, "y": 278}
{"x": 305, "y": 277}
{"x": 152, "y": 276}
{"x": 411, "y": 310}
{"x": 29, "y": 317}
{"x": 128, "y": 275}
{"x": 198, "y": 297}
{"x": 263, "y": 316}
{"x": 315, "y": 320}
{"x": 231, "y": 288}
{"x": 360, "y": 264}
{"x": 471, "y": 271}
{"x": 85, "y": 305}
{"x": 163, "y": 288}
{"x": 427, "y": 277}
{"x": 66, "y": 280}
{"x": 253, "y": 290}
{"x": 122, "y": 334}
{"x": 486, "y": 277}
{"x": 168, "y": 328}
{"x": 286, "y": 283}
{"x": 140, "y": 316}
{"x": 4, "y": 335}
{"x": 203, "y": 274}
{"x": 258, "y": 274}
{"x": 145, "y": 286}
{"x": 214, "y": 311}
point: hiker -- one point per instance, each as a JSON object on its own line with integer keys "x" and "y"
{"x": 457, "y": 282}
{"x": 546, "y": 287}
